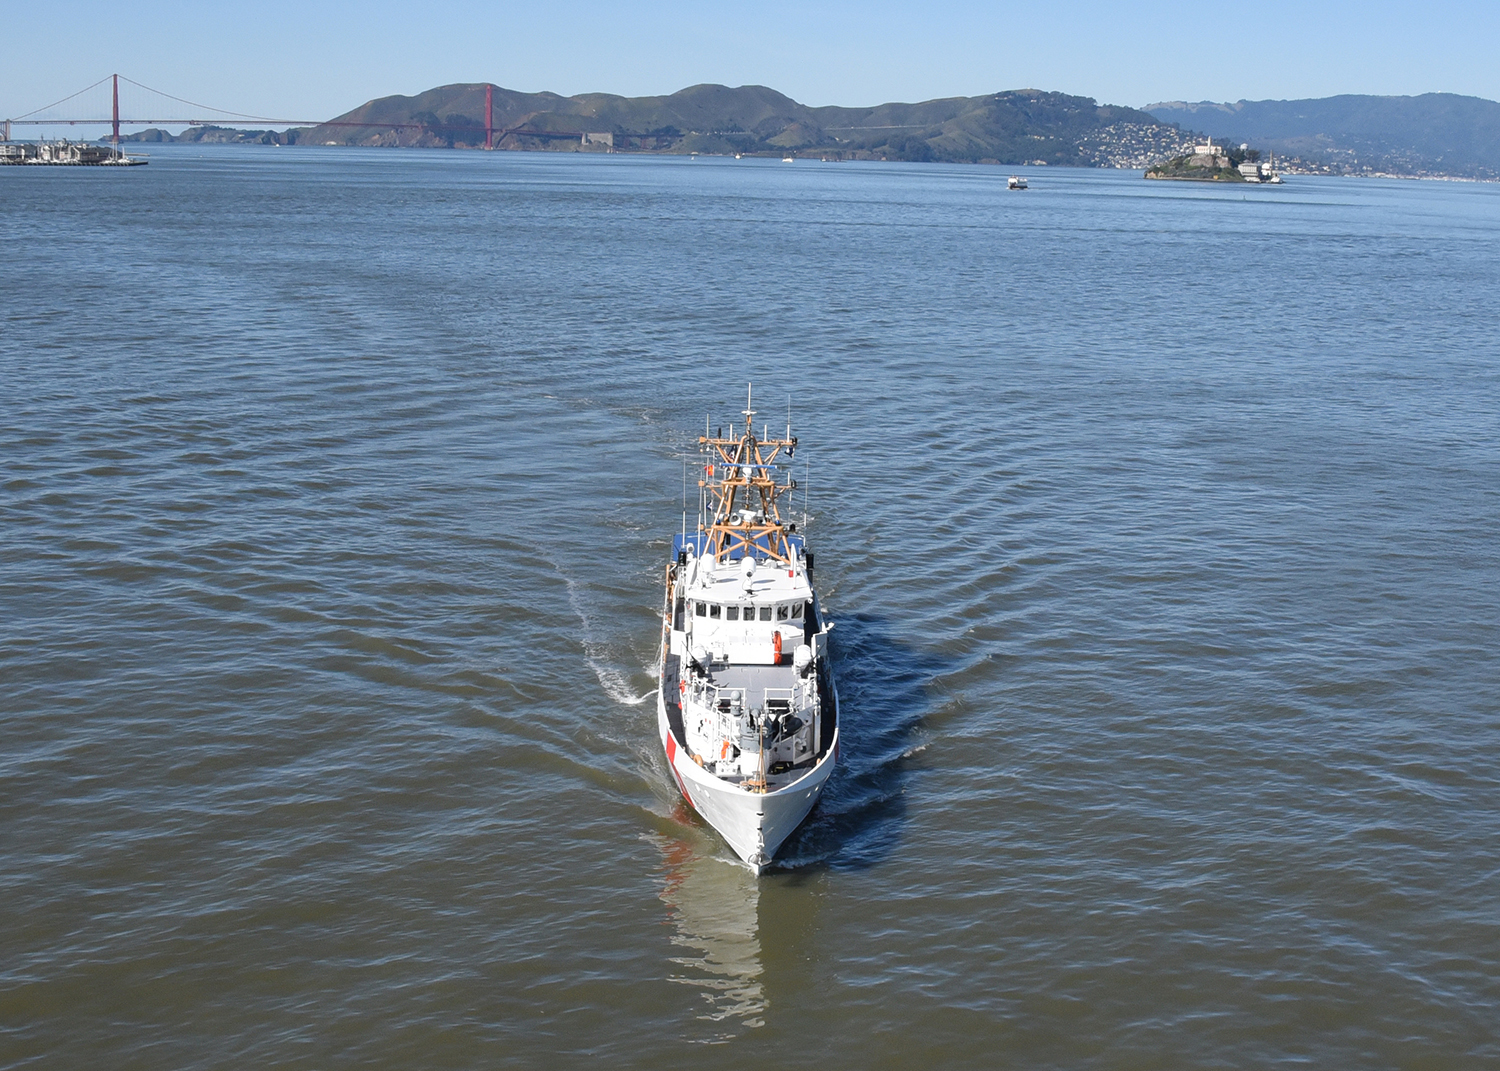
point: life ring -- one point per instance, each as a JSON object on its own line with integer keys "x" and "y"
{"x": 776, "y": 648}
{"x": 724, "y": 751}
{"x": 682, "y": 687}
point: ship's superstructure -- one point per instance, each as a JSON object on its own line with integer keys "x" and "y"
{"x": 747, "y": 708}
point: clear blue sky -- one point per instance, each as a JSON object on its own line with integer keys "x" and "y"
{"x": 316, "y": 59}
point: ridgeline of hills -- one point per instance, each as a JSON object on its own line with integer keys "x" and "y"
{"x": 1431, "y": 134}
{"x": 1023, "y": 126}
{"x": 1015, "y": 127}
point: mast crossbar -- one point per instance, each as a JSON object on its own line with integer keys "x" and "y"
{"x": 744, "y": 465}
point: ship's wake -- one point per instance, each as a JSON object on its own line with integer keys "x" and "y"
{"x": 613, "y": 678}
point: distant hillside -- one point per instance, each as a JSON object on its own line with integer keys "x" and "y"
{"x": 1014, "y": 127}
{"x": 212, "y": 135}
{"x": 1435, "y": 133}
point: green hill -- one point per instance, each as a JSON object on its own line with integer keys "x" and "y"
{"x": 1013, "y": 127}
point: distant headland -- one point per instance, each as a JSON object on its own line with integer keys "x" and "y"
{"x": 1015, "y": 127}
{"x": 1435, "y": 134}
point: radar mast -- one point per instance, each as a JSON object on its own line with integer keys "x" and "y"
{"x": 740, "y": 478}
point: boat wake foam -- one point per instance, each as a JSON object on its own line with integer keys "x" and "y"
{"x": 612, "y": 678}
{"x": 616, "y": 686}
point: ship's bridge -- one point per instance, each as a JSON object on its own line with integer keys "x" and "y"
{"x": 736, "y": 609}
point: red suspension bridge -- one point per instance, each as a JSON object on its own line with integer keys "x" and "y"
{"x": 99, "y": 105}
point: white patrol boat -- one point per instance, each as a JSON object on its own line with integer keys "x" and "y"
{"x": 747, "y": 709}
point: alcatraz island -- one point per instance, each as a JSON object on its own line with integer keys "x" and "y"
{"x": 1216, "y": 163}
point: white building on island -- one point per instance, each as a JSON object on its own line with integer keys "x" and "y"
{"x": 1209, "y": 155}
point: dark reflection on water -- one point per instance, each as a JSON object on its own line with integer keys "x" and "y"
{"x": 884, "y": 695}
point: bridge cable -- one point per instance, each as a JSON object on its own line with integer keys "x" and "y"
{"x": 69, "y": 97}
{"x": 207, "y": 107}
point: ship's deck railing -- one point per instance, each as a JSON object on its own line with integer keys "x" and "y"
{"x": 733, "y": 697}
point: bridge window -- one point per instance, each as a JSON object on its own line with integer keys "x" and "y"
{"x": 765, "y": 613}
{"x": 749, "y": 613}
{"x": 781, "y": 611}
{"x": 702, "y": 610}
{"x": 731, "y": 613}
{"x": 713, "y": 610}
{"x": 796, "y": 611}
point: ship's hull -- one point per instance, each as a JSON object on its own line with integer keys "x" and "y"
{"x": 755, "y": 824}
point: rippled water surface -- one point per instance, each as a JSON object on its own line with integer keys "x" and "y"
{"x": 1159, "y": 523}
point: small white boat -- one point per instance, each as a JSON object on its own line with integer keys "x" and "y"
{"x": 746, "y": 708}
{"x": 789, "y": 159}
{"x": 1015, "y": 182}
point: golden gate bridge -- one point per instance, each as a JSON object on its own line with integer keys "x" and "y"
{"x": 94, "y": 106}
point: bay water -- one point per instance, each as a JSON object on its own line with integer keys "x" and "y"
{"x": 1158, "y": 522}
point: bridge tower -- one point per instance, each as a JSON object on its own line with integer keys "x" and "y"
{"x": 489, "y": 116}
{"x": 116, "y": 136}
